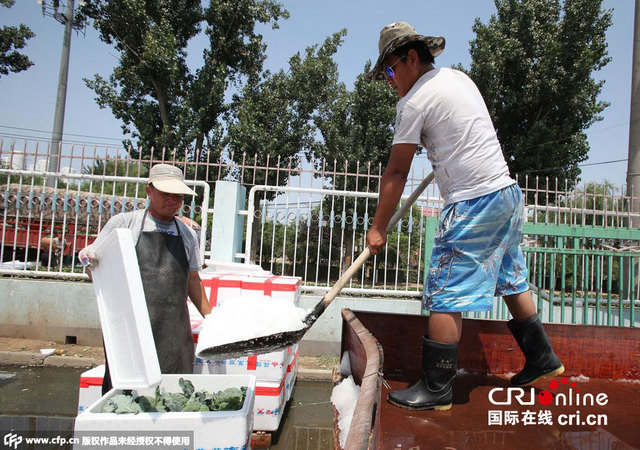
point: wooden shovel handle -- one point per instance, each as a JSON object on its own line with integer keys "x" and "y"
{"x": 362, "y": 258}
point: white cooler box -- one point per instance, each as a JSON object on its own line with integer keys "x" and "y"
{"x": 214, "y": 429}
{"x": 272, "y": 397}
{"x": 272, "y": 393}
{"x": 134, "y": 365}
{"x": 266, "y": 367}
{"x": 90, "y": 387}
{"x": 223, "y": 286}
{"x": 292, "y": 374}
{"x": 220, "y": 286}
{"x": 274, "y": 286}
{"x": 233, "y": 267}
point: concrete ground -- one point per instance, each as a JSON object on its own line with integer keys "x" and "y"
{"x": 33, "y": 352}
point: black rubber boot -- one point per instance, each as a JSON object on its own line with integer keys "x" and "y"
{"x": 541, "y": 361}
{"x": 433, "y": 389}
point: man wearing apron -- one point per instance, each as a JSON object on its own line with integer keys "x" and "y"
{"x": 167, "y": 252}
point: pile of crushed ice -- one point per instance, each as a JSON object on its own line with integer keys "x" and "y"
{"x": 344, "y": 398}
{"x": 242, "y": 318}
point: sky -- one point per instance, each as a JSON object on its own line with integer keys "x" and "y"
{"x": 28, "y": 98}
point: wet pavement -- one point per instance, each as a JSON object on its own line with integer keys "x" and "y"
{"x": 44, "y": 400}
{"x": 39, "y": 391}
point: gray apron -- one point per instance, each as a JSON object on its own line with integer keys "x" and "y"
{"x": 164, "y": 270}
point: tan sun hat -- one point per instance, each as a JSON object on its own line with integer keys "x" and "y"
{"x": 169, "y": 179}
{"x": 397, "y": 34}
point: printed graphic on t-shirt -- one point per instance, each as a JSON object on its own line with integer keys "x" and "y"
{"x": 169, "y": 232}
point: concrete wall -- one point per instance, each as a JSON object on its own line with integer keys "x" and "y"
{"x": 49, "y": 310}
{"x": 56, "y": 310}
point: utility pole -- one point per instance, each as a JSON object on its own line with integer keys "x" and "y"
{"x": 633, "y": 164}
{"x": 68, "y": 20}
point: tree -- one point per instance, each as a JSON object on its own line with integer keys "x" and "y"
{"x": 305, "y": 112}
{"x": 160, "y": 100}
{"x": 278, "y": 115}
{"x": 13, "y": 39}
{"x": 533, "y": 62}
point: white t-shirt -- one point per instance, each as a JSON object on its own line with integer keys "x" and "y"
{"x": 446, "y": 114}
{"x": 133, "y": 219}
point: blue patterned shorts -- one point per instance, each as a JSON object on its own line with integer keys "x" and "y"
{"x": 476, "y": 254}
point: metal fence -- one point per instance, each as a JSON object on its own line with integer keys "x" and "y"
{"x": 309, "y": 218}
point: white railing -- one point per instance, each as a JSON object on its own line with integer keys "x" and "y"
{"x": 293, "y": 239}
{"x": 307, "y": 218}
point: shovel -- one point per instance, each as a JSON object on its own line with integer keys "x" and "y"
{"x": 277, "y": 341}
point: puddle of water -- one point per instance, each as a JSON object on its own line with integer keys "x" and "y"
{"x": 39, "y": 391}
{"x": 308, "y": 419}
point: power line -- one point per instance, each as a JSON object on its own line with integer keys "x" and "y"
{"x": 64, "y": 141}
{"x": 66, "y": 134}
{"x": 603, "y": 162}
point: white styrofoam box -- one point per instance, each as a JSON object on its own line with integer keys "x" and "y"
{"x": 90, "y": 387}
{"x": 266, "y": 367}
{"x": 292, "y": 373}
{"x": 219, "y": 287}
{"x": 195, "y": 317}
{"x": 213, "y": 429}
{"x": 274, "y": 286}
{"x": 128, "y": 340}
{"x": 270, "y": 404}
{"x": 235, "y": 268}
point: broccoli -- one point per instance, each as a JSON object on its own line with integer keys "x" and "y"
{"x": 147, "y": 403}
{"x": 187, "y": 387}
{"x": 230, "y": 399}
{"x": 174, "y": 402}
{"x": 195, "y": 404}
{"x": 121, "y": 404}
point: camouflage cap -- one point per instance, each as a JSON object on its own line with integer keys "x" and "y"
{"x": 397, "y": 34}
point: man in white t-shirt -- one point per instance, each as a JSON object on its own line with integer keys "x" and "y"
{"x": 476, "y": 254}
{"x": 168, "y": 259}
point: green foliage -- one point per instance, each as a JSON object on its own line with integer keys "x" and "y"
{"x": 533, "y": 62}
{"x": 155, "y": 94}
{"x": 305, "y": 111}
{"x": 358, "y": 126}
{"x": 278, "y": 115}
{"x": 13, "y": 39}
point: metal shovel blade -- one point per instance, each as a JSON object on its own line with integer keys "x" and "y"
{"x": 278, "y": 341}
{"x": 263, "y": 344}
{"x": 258, "y": 345}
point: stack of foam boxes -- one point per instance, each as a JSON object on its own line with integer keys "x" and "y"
{"x": 276, "y": 371}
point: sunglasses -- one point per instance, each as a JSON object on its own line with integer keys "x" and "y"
{"x": 388, "y": 70}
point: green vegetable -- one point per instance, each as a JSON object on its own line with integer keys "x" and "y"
{"x": 174, "y": 402}
{"x": 147, "y": 403}
{"x": 230, "y": 399}
{"x": 194, "y": 404}
{"x": 121, "y": 404}
{"x": 187, "y": 387}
